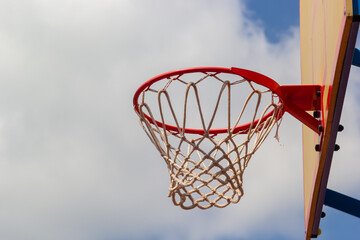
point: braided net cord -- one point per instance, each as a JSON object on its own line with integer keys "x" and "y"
{"x": 207, "y": 170}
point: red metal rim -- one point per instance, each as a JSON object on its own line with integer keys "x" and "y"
{"x": 246, "y": 74}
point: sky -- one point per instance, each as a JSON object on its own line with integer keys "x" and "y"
{"x": 74, "y": 161}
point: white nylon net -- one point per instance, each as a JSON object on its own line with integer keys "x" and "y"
{"x": 207, "y": 169}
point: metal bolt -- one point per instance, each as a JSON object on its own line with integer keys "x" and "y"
{"x": 340, "y": 128}
{"x": 316, "y": 114}
{"x": 318, "y": 93}
{"x": 323, "y": 215}
{"x": 321, "y": 128}
{"x": 317, "y": 147}
{"x": 337, "y": 147}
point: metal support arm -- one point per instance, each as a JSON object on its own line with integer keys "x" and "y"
{"x": 342, "y": 202}
{"x": 302, "y": 98}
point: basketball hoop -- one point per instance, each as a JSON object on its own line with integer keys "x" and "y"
{"x": 206, "y": 163}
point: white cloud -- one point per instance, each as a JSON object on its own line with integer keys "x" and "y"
{"x": 75, "y": 164}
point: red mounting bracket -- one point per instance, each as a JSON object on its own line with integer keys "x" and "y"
{"x": 301, "y": 98}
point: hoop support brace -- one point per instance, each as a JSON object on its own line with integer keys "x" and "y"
{"x": 301, "y": 98}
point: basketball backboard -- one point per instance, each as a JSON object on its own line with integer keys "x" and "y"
{"x": 328, "y": 33}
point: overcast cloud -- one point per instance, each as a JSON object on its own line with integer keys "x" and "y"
{"x": 74, "y": 162}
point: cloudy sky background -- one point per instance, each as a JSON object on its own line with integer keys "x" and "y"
{"x": 74, "y": 162}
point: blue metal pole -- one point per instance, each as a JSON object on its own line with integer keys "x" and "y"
{"x": 356, "y": 58}
{"x": 342, "y": 203}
